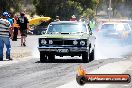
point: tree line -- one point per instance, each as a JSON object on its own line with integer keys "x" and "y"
{"x": 65, "y": 8}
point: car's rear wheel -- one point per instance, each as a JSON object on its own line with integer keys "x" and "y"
{"x": 51, "y": 57}
{"x": 43, "y": 56}
{"x": 91, "y": 55}
{"x": 85, "y": 57}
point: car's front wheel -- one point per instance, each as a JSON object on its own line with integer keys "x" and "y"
{"x": 51, "y": 57}
{"x": 42, "y": 32}
{"x": 43, "y": 56}
{"x": 91, "y": 56}
{"x": 85, "y": 57}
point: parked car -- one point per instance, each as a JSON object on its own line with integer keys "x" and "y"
{"x": 66, "y": 38}
{"x": 41, "y": 28}
{"x": 38, "y": 20}
{"x": 39, "y": 25}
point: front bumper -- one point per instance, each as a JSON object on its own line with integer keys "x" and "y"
{"x": 64, "y": 49}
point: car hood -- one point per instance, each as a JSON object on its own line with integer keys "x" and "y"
{"x": 78, "y": 36}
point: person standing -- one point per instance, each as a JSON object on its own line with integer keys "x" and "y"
{"x": 24, "y": 25}
{"x": 92, "y": 24}
{"x": 5, "y": 28}
{"x": 73, "y": 18}
{"x": 57, "y": 19}
{"x": 16, "y": 28}
{"x": 11, "y": 22}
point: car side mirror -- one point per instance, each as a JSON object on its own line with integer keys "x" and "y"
{"x": 90, "y": 32}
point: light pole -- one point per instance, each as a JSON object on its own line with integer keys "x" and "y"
{"x": 109, "y": 10}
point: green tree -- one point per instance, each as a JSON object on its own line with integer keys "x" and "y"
{"x": 46, "y": 7}
{"x": 63, "y": 8}
{"x": 8, "y": 5}
{"x": 67, "y": 9}
{"x": 88, "y": 3}
{"x": 89, "y": 13}
{"x": 115, "y": 4}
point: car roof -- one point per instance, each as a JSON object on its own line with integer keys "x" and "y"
{"x": 71, "y": 22}
{"x": 114, "y": 23}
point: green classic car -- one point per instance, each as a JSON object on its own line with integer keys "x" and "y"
{"x": 67, "y": 38}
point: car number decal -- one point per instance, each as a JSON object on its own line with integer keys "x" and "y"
{"x": 63, "y": 50}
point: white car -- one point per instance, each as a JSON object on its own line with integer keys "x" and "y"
{"x": 115, "y": 31}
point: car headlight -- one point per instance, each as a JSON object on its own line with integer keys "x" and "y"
{"x": 75, "y": 42}
{"x": 43, "y": 41}
{"x": 82, "y": 43}
{"x": 50, "y": 42}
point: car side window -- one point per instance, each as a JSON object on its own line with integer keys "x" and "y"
{"x": 50, "y": 28}
{"x": 120, "y": 27}
{"x": 84, "y": 28}
{"x": 127, "y": 27}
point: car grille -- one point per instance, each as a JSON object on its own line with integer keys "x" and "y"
{"x": 62, "y": 42}
{"x": 57, "y": 42}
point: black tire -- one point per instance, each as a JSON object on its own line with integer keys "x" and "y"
{"x": 81, "y": 80}
{"x": 38, "y": 32}
{"x": 43, "y": 57}
{"x": 91, "y": 56}
{"x": 51, "y": 57}
{"x": 42, "y": 32}
{"x": 85, "y": 57}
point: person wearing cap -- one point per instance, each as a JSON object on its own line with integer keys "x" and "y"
{"x": 11, "y": 22}
{"x": 73, "y": 18}
{"x": 5, "y": 28}
{"x": 24, "y": 25}
{"x": 57, "y": 19}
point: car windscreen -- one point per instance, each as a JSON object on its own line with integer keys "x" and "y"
{"x": 108, "y": 28}
{"x": 67, "y": 28}
{"x": 127, "y": 27}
